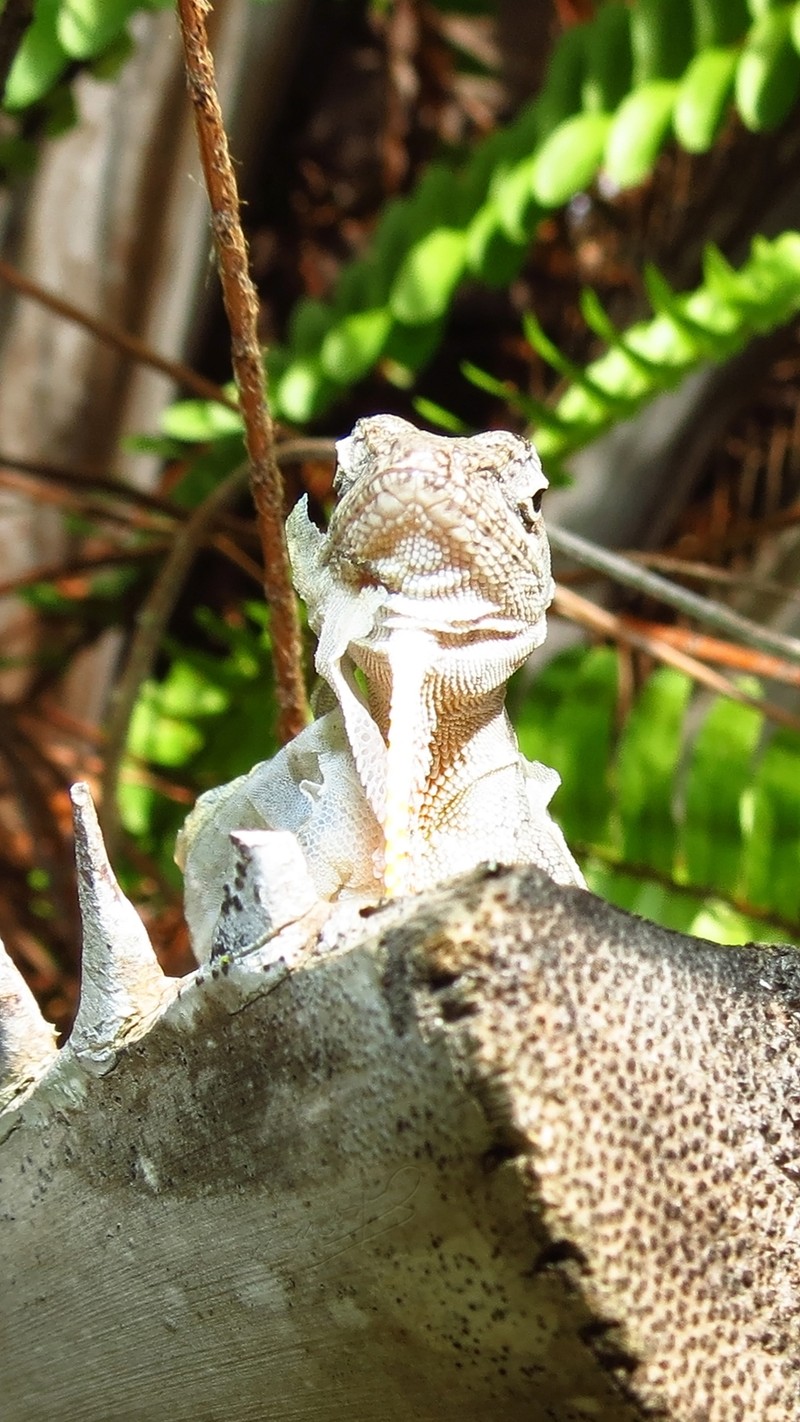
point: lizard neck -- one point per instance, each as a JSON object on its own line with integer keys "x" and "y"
{"x": 437, "y": 700}
{"x": 452, "y": 707}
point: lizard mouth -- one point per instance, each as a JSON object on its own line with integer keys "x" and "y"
{"x": 461, "y": 648}
{"x": 457, "y": 619}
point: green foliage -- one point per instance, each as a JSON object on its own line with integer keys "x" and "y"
{"x": 713, "y": 322}
{"x": 567, "y": 720}
{"x": 63, "y": 33}
{"x": 691, "y": 820}
{"x": 569, "y": 158}
{"x": 428, "y": 276}
{"x": 40, "y": 61}
{"x": 662, "y": 39}
{"x": 207, "y": 720}
{"x": 719, "y": 22}
{"x": 606, "y": 81}
{"x": 703, "y": 98}
{"x": 768, "y": 72}
{"x": 648, "y": 755}
{"x": 200, "y": 421}
{"x": 638, "y": 132}
{"x": 617, "y": 89}
{"x": 687, "y": 818}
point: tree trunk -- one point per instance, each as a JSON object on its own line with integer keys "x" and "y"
{"x": 115, "y": 220}
{"x": 497, "y": 1149}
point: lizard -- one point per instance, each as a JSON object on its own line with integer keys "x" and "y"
{"x": 428, "y": 590}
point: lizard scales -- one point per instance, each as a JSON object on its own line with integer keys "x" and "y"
{"x": 432, "y": 582}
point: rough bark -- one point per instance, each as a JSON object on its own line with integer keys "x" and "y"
{"x": 497, "y": 1149}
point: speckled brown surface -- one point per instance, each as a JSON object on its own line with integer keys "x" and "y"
{"x": 649, "y": 1088}
{"x": 509, "y": 1152}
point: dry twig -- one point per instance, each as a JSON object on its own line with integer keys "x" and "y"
{"x": 711, "y": 573}
{"x": 713, "y": 649}
{"x": 81, "y": 566}
{"x": 607, "y": 624}
{"x": 704, "y": 609}
{"x": 242, "y": 311}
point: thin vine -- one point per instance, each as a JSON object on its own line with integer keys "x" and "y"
{"x": 241, "y": 306}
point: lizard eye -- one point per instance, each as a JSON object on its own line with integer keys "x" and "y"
{"x": 528, "y": 510}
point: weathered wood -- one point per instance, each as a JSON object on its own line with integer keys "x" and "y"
{"x": 115, "y": 218}
{"x": 500, "y": 1149}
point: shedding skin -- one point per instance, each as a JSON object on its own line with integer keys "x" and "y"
{"x": 427, "y": 592}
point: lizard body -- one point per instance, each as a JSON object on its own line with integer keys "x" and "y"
{"x": 432, "y": 583}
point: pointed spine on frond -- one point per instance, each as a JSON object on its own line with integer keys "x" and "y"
{"x": 27, "y": 1041}
{"x": 122, "y": 984}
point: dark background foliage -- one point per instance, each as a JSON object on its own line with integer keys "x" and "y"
{"x": 536, "y": 215}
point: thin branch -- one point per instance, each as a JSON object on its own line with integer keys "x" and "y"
{"x": 607, "y": 624}
{"x": 711, "y": 573}
{"x": 137, "y": 771}
{"x": 86, "y": 479}
{"x": 242, "y": 310}
{"x": 68, "y": 497}
{"x": 157, "y": 609}
{"x": 159, "y": 523}
{"x": 69, "y": 487}
{"x": 300, "y": 448}
{"x": 229, "y": 549}
{"x": 83, "y": 480}
{"x": 712, "y": 614}
{"x": 135, "y": 521}
{"x": 51, "y": 713}
{"x": 751, "y": 530}
{"x": 712, "y": 649}
{"x": 80, "y": 566}
{"x": 88, "y": 563}
{"x": 152, "y": 619}
{"x": 113, "y": 335}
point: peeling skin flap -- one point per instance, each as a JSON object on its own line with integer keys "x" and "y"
{"x": 340, "y": 615}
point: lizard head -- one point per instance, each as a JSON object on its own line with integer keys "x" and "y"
{"x": 453, "y": 525}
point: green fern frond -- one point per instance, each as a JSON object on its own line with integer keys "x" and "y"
{"x": 695, "y": 825}
{"x": 63, "y": 33}
{"x": 712, "y": 322}
{"x": 616, "y": 89}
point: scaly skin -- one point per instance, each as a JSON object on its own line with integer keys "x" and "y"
{"x": 450, "y": 531}
{"x": 433, "y": 581}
